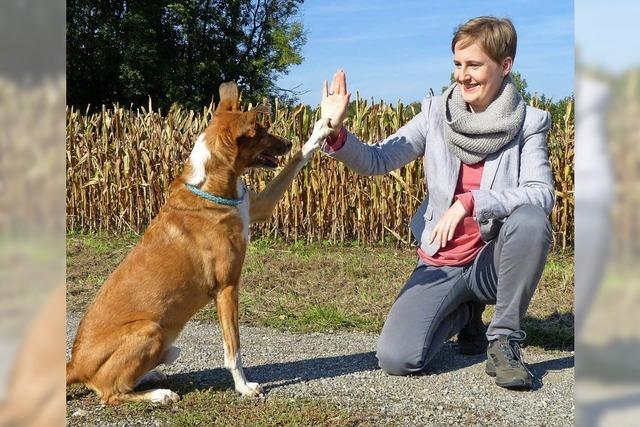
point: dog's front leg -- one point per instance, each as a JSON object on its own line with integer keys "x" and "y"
{"x": 227, "y": 306}
{"x": 263, "y": 203}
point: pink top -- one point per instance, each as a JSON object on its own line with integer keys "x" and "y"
{"x": 466, "y": 242}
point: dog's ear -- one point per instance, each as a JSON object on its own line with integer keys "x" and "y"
{"x": 228, "y": 97}
{"x": 248, "y": 124}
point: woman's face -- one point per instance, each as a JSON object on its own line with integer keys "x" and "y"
{"x": 478, "y": 76}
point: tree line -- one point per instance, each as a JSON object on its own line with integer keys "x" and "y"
{"x": 128, "y": 51}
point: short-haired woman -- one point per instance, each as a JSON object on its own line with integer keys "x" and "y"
{"x": 483, "y": 229}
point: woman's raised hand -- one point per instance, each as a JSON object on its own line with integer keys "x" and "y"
{"x": 335, "y": 100}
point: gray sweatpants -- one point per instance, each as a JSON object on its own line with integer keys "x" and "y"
{"x": 435, "y": 303}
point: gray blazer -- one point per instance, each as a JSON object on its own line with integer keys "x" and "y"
{"x": 518, "y": 174}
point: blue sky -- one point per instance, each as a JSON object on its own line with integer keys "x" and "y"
{"x": 605, "y": 34}
{"x": 399, "y": 49}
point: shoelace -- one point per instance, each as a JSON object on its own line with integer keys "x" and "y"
{"x": 515, "y": 356}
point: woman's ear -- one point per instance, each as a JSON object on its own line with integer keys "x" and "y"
{"x": 507, "y": 65}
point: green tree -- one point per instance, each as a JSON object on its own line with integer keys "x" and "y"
{"x": 178, "y": 51}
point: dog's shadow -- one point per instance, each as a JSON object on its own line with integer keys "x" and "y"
{"x": 275, "y": 375}
{"x": 282, "y": 374}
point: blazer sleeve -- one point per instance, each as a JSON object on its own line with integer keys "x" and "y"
{"x": 535, "y": 179}
{"x": 401, "y": 148}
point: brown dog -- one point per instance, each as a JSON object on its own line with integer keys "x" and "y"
{"x": 192, "y": 252}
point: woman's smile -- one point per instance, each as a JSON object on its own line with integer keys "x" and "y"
{"x": 469, "y": 87}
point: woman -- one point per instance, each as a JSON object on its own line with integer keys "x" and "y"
{"x": 483, "y": 229}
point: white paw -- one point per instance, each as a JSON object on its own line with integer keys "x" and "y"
{"x": 163, "y": 396}
{"x": 170, "y": 355}
{"x": 152, "y": 376}
{"x": 321, "y": 130}
{"x": 250, "y": 389}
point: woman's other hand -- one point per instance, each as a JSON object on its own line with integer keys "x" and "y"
{"x": 335, "y": 101}
{"x": 444, "y": 229}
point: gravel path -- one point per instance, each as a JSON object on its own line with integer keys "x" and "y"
{"x": 341, "y": 367}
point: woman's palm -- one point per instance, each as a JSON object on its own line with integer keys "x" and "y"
{"x": 335, "y": 101}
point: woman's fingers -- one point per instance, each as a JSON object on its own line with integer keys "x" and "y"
{"x": 442, "y": 233}
{"x": 346, "y": 100}
{"x": 325, "y": 89}
{"x": 334, "y": 84}
{"x": 452, "y": 229}
{"x": 342, "y": 83}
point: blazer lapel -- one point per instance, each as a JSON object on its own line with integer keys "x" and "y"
{"x": 490, "y": 168}
{"x": 452, "y": 176}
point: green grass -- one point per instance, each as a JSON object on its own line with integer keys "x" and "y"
{"x": 210, "y": 407}
{"x": 318, "y": 287}
{"x": 104, "y": 243}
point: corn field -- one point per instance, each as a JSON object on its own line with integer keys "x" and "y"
{"x": 120, "y": 163}
{"x": 624, "y": 140}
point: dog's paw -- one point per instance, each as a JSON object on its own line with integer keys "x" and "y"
{"x": 163, "y": 396}
{"x": 250, "y": 390}
{"x": 321, "y": 130}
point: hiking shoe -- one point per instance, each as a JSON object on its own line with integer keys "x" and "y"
{"x": 506, "y": 364}
{"x": 472, "y": 338}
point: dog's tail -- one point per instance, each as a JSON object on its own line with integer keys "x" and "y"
{"x": 72, "y": 377}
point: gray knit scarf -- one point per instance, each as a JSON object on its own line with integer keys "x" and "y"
{"x": 472, "y": 136}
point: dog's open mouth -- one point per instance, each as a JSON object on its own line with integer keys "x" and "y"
{"x": 266, "y": 160}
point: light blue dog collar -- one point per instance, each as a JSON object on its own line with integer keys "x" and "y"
{"x": 218, "y": 199}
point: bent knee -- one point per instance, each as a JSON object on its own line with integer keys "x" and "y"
{"x": 395, "y": 362}
{"x": 528, "y": 221}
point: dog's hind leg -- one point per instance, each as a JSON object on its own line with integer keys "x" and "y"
{"x": 140, "y": 350}
{"x": 153, "y": 376}
{"x": 227, "y": 306}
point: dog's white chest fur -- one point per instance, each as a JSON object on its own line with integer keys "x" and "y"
{"x": 243, "y": 208}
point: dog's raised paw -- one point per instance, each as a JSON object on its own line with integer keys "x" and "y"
{"x": 163, "y": 396}
{"x": 322, "y": 128}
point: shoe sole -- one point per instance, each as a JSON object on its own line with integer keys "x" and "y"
{"x": 511, "y": 385}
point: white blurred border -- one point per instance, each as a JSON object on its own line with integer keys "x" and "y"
{"x": 607, "y": 200}
{"x": 32, "y": 212}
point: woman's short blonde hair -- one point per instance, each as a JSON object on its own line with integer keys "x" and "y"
{"x": 496, "y": 36}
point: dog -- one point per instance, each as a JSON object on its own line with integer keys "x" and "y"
{"x": 191, "y": 253}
